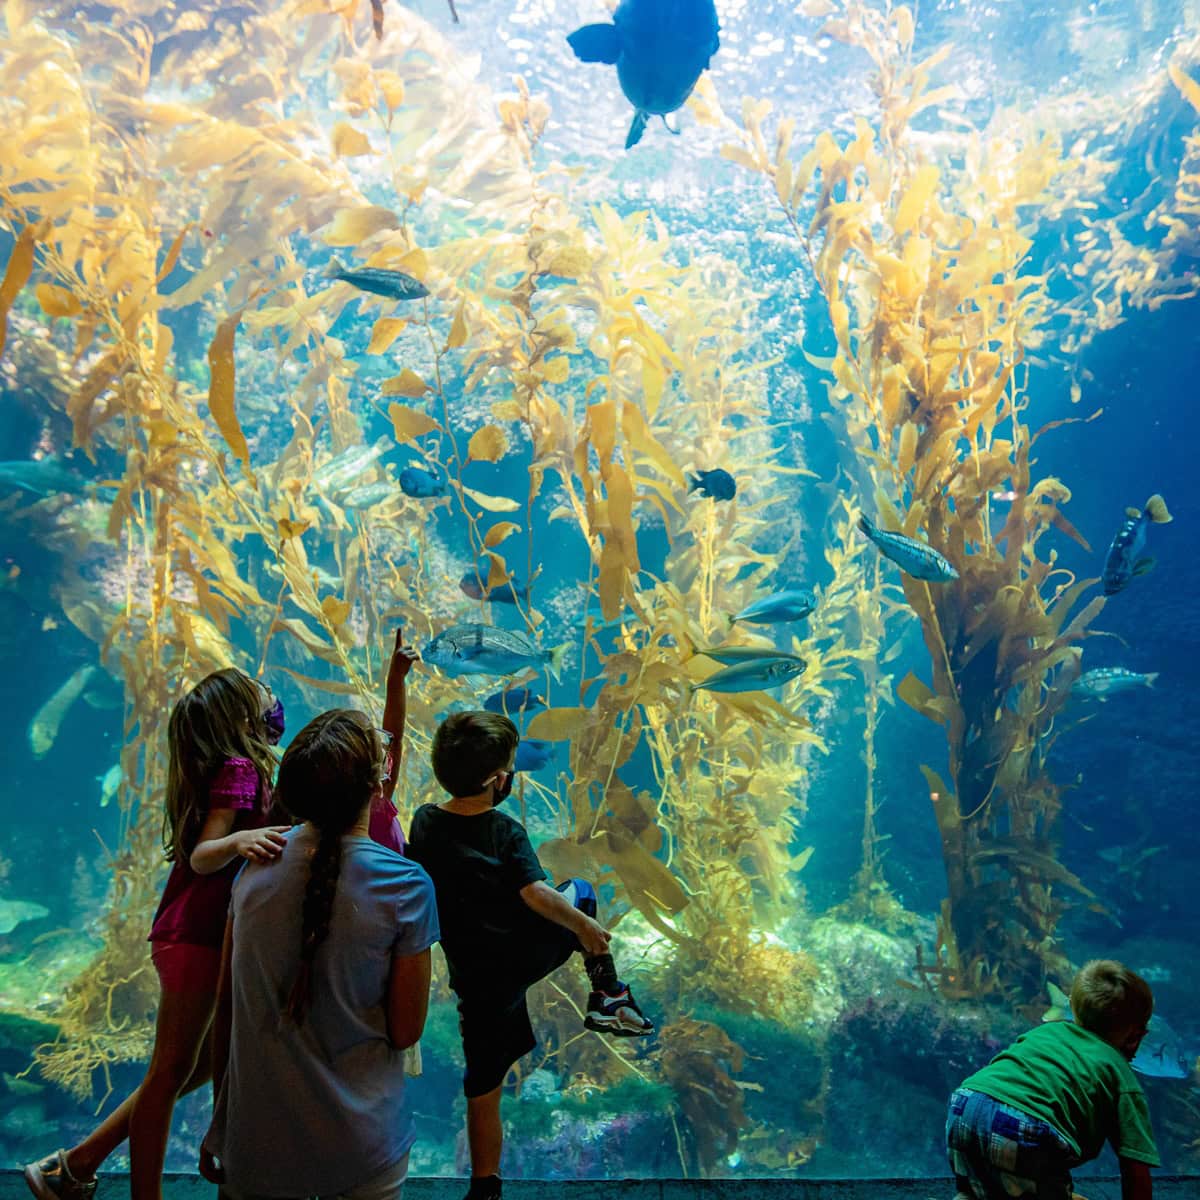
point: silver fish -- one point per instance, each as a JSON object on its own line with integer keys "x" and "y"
{"x": 791, "y": 605}
{"x": 478, "y": 649}
{"x": 368, "y": 495}
{"x": 911, "y": 556}
{"x": 732, "y": 655}
{"x": 344, "y": 469}
{"x": 753, "y": 676}
{"x": 1106, "y": 681}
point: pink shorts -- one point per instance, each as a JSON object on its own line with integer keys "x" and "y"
{"x": 186, "y": 967}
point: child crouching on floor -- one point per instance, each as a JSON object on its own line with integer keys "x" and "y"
{"x": 1047, "y": 1103}
{"x": 503, "y": 927}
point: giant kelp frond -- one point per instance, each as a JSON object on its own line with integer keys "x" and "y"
{"x": 921, "y": 267}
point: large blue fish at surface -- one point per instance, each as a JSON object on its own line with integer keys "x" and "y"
{"x": 659, "y": 48}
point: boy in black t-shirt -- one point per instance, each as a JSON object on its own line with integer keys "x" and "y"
{"x": 503, "y": 927}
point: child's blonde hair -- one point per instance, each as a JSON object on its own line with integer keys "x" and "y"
{"x": 1107, "y": 996}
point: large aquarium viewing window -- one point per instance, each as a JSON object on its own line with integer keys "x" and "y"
{"x": 778, "y": 412}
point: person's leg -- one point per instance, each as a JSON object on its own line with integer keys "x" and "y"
{"x": 485, "y": 1138}
{"x": 85, "y": 1159}
{"x": 180, "y": 1037}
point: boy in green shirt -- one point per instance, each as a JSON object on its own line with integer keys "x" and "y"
{"x": 1048, "y": 1102}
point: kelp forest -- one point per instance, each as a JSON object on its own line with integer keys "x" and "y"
{"x": 169, "y": 176}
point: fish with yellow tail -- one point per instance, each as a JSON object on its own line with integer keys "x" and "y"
{"x": 478, "y": 649}
{"x": 913, "y": 557}
{"x": 1125, "y": 558}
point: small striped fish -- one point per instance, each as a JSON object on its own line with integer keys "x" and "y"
{"x": 911, "y": 556}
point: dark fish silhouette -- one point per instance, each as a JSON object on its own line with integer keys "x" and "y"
{"x": 420, "y": 483}
{"x": 474, "y": 584}
{"x": 717, "y": 483}
{"x": 379, "y": 281}
{"x": 532, "y": 754}
{"x": 1125, "y": 559}
{"x": 659, "y": 48}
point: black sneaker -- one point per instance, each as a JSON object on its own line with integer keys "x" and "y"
{"x": 617, "y": 1013}
{"x": 51, "y": 1179}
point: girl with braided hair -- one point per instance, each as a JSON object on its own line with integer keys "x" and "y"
{"x": 324, "y": 984}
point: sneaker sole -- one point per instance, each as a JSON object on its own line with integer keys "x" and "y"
{"x": 37, "y": 1183}
{"x": 614, "y": 1026}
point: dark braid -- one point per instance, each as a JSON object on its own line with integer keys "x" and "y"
{"x": 327, "y": 777}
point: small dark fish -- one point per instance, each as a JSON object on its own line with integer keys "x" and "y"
{"x": 532, "y": 754}
{"x": 420, "y": 483}
{"x": 911, "y": 556}
{"x": 379, "y": 281}
{"x": 1125, "y": 558}
{"x": 377, "y": 18}
{"x": 791, "y": 605}
{"x": 753, "y": 676}
{"x": 515, "y": 700}
{"x": 717, "y": 483}
{"x": 474, "y": 584}
{"x": 659, "y": 47}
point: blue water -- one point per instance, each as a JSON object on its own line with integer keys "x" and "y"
{"x": 878, "y": 1052}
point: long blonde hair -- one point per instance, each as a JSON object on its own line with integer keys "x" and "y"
{"x": 220, "y": 718}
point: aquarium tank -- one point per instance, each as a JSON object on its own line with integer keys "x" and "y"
{"x": 817, "y": 433}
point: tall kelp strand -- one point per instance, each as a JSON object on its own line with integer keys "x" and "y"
{"x": 920, "y": 267}
{"x": 259, "y": 519}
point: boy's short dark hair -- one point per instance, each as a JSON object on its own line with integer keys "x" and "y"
{"x": 1107, "y": 996}
{"x": 469, "y": 746}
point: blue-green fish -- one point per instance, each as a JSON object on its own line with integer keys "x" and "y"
{"x": 343, "y": 470}
{"x": 379, "y": 281}
{"x": 368, "y": 495}
{"x": 40, "y": 476}
{"x": 753, "y": 676}
{"x": 1105, "y": 681}
{"x": 731, "y": 655}
{"x": 911, "y": 556}
{"x": 659, "y": 47}
{"x": 791, "y": 605}
{"x": 1125, "y": 559}
{"x": 478, "y": 649}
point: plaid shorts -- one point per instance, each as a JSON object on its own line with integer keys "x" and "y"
{"x": 998, "y": 1153}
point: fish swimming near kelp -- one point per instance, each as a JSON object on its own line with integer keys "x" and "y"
{"x": 532, "y": 754}
{"x": 717, "y": 483}
{"x": 478, "y": 649}
{"x": 514, "y": 700}
{"x": 344, "y": 469}
{"x": 1125, "y": 558}
{"x": 913, "y": 557}
{"x": 40, "y": 477}
{"x": 511, "y": 592}
{"x": 659, "y": 47}
{"x": 368, "y": 495}
{"x": 792, "y": 604}
{"x": 753, "y": 676}
{"x": 379, "y": 281}
{"x": 730, "y": 656}
{"x": 43, "y": 729}
{"x": 421, "y": 484}
{"x": 1103, "y": 682}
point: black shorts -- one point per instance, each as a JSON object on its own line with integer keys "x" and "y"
{"x": 493, "y": 1017}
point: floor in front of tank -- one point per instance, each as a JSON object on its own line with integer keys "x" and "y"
{"x": 191, "y": 1187}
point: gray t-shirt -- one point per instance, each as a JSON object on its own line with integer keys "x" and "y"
{"x": 319, "y": 1109}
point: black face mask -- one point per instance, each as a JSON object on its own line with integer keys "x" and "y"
{"x": 273, "y": 720}
{"x": 501, "y": 793}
